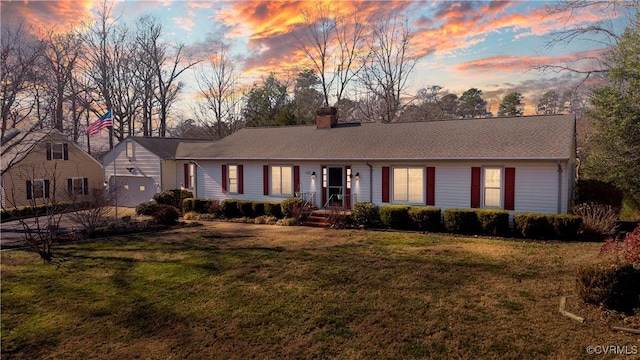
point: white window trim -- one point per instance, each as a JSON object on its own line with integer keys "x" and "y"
{"x": 192, "y": 176}
{"x": 33, "y": 192}
{"x": 235, "y": 178}
{"x": 73, "y": 187}
{"x": 280, "y": 194}
{"x": 53, "y": 151}
{"x": 484, "y": 187}
{"x": 392, "y": 186}
{"x": 126, "y": 150}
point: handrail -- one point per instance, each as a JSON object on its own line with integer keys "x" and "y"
{"x": 310, "y": 199}
{"x": 335, "y": 195}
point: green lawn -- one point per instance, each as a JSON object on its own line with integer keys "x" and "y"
{"x": 241, "y": 291}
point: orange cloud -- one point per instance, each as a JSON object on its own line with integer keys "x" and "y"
{"x": 63, "y": 14}
{"x": 581, "y": 61}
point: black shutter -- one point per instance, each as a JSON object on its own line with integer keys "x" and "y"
{"x": 86, "y": 186}
{"x": 46, "y": 189}
{"x": 65, "y": 151}
{"x": 70, "y": 186}
{"x": 48, "y": 151}
{"x": 29, "y": 190}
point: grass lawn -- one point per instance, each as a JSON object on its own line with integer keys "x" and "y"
{"x": 227, "y": 290}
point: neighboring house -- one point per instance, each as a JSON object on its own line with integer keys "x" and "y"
{"x": 43, "y": 166}
{"x": 144, "y": 166}
{"x": 520, "y": 164}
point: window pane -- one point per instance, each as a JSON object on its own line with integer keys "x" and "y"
{"x": 492, "y": 177}
{"x": 38, "y": 189}
{"x": 399, "y": 184}
{"x": 276, "y": 185}
{"x": 415, "y": 187}
{"x": 492, "y": 197}
{"x": 286, "y": 180}
{"x": 78, "y": 186}
{"x": 129, "y": 149}
{"x": 233, "y": 186}
{"x": 57, "y": 150}
{"x": 233, "y": 179}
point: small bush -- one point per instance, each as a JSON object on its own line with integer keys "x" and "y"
{"x": 264, "y": 219}
{"x": 461, "y": 221}
{"x": 615, "y": 287}
{"x": 245, "y": 208}
{"x": 565, "y": 226}
{"x": 289, "y": 221}
{"x": 258, "y": 208}
{"x": 292, "y": 207}
{"x": 147, "y": 208}
{"x": 229, "y": 208}
{"x": 395, "y": 216}
{"x": 626, "y": 251}
{"x": 165, "y": 214}
{"x": 191, "y": 215}
{"x": 365, "y": 214}
{"x": 425, "y": 218}
{"x": 172, "y": 197}
{"x": 598, "y": 220}
{"x": 599, "y": 192}
{"x": 494, "y": 222}
{"x": 273, "y": 209}
{"x": 532, "y": 226}
{"x": 214, "y": 208}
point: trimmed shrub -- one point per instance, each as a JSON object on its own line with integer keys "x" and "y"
{"x": 201, "y": 206}
{"x": 599, "y": 192}
{"x": 229, "y": 208}
{"x": 264, "y": 219}
{"x": 425, "y": 218}
{"x": 214, "y": 208}
{"x": 292, "y": 207}
{"x": 187, "y": 205}
{"x": 172, "y": 197}
{"x": 532, "y": 226}
{"x": 565, "y": 226}
{"x": 617, "y": 288}
{"x": 147, "y": 208}
{"x": 365, "y": 214}
{"x": 165, "y": 214}
{"x": 461, "y": 221}
{"x": 395, "y": 216}
{"x": 245, "y": 208}
{"x": 494, "y": 222}
{"x": 258, "y": 208}
{"x": 273, "y": 209}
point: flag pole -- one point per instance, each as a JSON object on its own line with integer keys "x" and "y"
{"x": 115, "y": 156}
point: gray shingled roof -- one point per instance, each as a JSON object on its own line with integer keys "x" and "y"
{"x": 165, "y": 148}
{"x": 528, "y": 137}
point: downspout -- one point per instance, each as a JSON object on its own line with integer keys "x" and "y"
{"x": 370, "y": 181}
{"x": 559, "y": 188}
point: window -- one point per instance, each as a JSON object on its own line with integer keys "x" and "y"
{"x": 129, "y": 149}
{"x": 37, "y": 189}
{"x": 192, "y": 175}
{"x": 492, "y": 187}
{"x": 78, "y": 186}
{"x": 233, "y": 179}
{"x": 281, "y": 180}
{"x": 57, "y": 151}
{"x": 408, "y": 185}
{"x": 142, "y": 188}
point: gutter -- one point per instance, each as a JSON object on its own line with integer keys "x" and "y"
{"x": 559, "y": 188}
{"x": 370, "y": 181}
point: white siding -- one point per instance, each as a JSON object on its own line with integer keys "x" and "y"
{"x": 144, "y": 163}
{"x": 536, "y": 189}
{"x": 453, "y": 186}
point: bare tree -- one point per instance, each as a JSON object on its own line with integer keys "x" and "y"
{"x": 218, "y": 83}
{"x": 602, "y": 32}
{"x": 166, "y": 69}
{"x": 390, "y": 64}
{"x": 351, "y": 55}
{"x": 18, "y": 67}
{"x": 315, "y": 41}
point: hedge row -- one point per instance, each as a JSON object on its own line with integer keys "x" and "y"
{"x": 467, "y": 221}
{"x": 231, "y": 208}
{"x": 30, "y": 211}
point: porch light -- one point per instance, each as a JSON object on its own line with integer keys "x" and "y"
{"x": 357, "y": 176}
{"x": 313, "y": 175}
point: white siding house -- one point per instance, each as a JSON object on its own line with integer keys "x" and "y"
{"x": 522, "y": 164}
{"x": 143, "y": 166}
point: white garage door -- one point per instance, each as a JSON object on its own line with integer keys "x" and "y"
{"x": 134, "y": 190}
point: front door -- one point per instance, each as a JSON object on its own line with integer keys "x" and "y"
{"x": 335, "y": 188}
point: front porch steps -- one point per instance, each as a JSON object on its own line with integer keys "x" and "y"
{"x": 320, "y": 218}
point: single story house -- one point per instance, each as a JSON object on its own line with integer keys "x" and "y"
{"x": 519, "y": 164}
{"x": 143, "y": 166}
{"x": 43, "y": 166}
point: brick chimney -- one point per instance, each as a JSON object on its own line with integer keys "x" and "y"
{"x": 326, "y": 117}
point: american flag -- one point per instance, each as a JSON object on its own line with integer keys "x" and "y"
{"x": 103, "y": 121}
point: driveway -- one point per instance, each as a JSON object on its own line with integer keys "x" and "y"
{"x": 12, "y": 232}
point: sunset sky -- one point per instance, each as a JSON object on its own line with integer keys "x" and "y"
{"x": 492, "y": 46}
